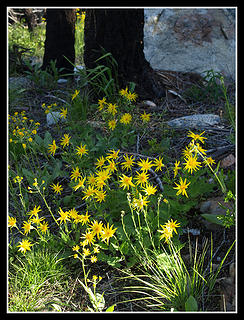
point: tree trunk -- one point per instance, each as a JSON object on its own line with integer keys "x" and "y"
{"x": 30, "y": 19}
{"x": 60, "y": 38}
{"x": 120, "y": 32}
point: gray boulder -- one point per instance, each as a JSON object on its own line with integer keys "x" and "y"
{"x": 191, "y": 40}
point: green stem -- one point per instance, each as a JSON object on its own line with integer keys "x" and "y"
{"x": 149, "y": 230}
{"x": 84, "y": 270}
{"x": 223, "y": 187}
{"x": 49, "y": 209}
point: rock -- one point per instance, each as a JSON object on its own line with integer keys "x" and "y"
{"x": 79, "y": 74}
{"x": 191, "y": 40}
{"x": 197, "y": 121}
{"x": 194, "y": 232}
{"x": 149, "y": 103}
{"x": 212, "y": 208}
{"x": 77, "y": 68}
{"x": 62, "y": 81}
{"x": 17, "y": 83}
{"x": 53, "y": 117}
{"x": 227, "y": 290}
{"x": 227, "y": 161}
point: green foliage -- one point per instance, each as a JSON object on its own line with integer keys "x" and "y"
{"x": 209, "y": 91}
{"x": 22, "y": 45}
{"x": 191, "y": 304}
{"x": 32, "y": 278}
{"x": 166, "y": 283}
{"x": 44, "y": 79}
{"x": 56, "y": 170}
{"x": 226, "y": 220}
{"x": 104, "y": 79}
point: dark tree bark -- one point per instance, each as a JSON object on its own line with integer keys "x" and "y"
{"x": 60, "y": 38}
{"x": 30, "y": 19}
{"x": 120, "y": 32}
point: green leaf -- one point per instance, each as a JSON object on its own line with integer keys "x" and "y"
{"x": 213, "y": 218}
{"x": 124, "y": 247}
{"x": 39, "y": 140}
{"x": 191, "y": 304}
{"x": 112, "y": 261}
{"x": 47, "y": 139}
{"x": 111, "y": 308}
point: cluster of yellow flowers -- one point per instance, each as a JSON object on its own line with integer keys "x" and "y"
{"x": 192, "y": 153}
{"x": 22, "y": 129}
{"x": 112, "y": 110}
{"x": 64, "y": 142}
{"x": 34, "y": 222}
{"x": 63, "y": 111}
{"x": 94, "y": 229}
{"x": 94, "y": 185}
{"x": 81, "y": 15}
{"x": 167, "y": 230}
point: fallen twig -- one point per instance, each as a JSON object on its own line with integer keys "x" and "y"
{"x": 54, "y": 97}
{"x": 159, "y": 182}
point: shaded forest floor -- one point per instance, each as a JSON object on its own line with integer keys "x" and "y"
{"x": 184, "y": 99}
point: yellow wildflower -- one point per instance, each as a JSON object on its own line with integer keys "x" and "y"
{"x": 182, "y": 187}
{"x": 63, "y": 113}
{"x": 126, "y": 118}
{"x": 93, "y": 259}
{"x": 52, "y": 148}
{"x": 27, "y": 227}
{"x": 65, "y": 140}
{"x": 196, "y": 136}
{"x": 84, "y": 218}
{"x": 43, "y": 227}
{"x": 192, "y": 163}
{"x": 126, "y": 182}
{"x": 112, "y": 108}
{"x": 100, "y": 195}
{"x": 140, "y": 203}
{"x": 112, "y": 124}
{"x": 128, "y": 163}
{"x": 107, "y": 233}
{"x": 209, "y": 161}
{"x": 75, "y": 174}
{"x": 12, "y": 222}
{"x": 89, "y": 192}
{"x": 113, "y": 154}
{"x": 141, "y": 178}
{"x": 101, "y": 104}
{"x": 158, "y": 163}
{"x": 81, "y": 150}
{"x": 145, "y": 165}
{"x": 24, "y": 245}
{"x": 96, "y": 228}
{"x": 35, "y": 211}
{"x": 88, "y": 237}
{"x": 75, "y": 94}
{"x": 100, "y": 162}
{"x": 176, "y": 168}
{"x": 57, "y": 188}
{"x": 64, "y": 216}
{"x": 80, "y": 184}
{"x": 149, "y": 189}
{"x": 145, "y": 116}
{"x": 76, "y": 248}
